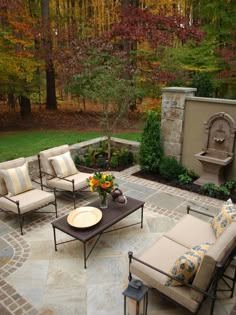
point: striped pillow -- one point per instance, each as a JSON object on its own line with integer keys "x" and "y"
{"x": 63, "y": 165}
{"x": 17, "y": 179}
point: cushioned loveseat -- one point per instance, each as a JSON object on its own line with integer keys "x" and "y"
{"x": 186, "y": 263}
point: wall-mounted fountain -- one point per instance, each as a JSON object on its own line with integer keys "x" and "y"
{"x": 219, "y": 137}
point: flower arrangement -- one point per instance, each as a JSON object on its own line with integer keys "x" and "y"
{"x": 102, "y": 183}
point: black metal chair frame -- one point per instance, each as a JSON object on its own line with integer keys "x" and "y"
{"x": 22, "y": 215}
{"x": 219, "y": 273}
{"x": 74, "y": 191}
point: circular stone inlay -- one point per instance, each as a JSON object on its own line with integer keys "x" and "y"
{"x": 6, "y": 252}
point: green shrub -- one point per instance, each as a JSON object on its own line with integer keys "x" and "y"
{"x": 151, "y": 148}
{"x": 210, "y": 189}
{"x": 77, "y": 160}
{"x": 101, "y": 161}
{"x": 185, "y": 179}
{"x": 88, "y": 161}
{"x": 114, "y": 161}
{"x": 170, "y": 168}
{"x": 192, "y": 174}
{"x": 126, "y": 157}
{"x": 230, "y": 185}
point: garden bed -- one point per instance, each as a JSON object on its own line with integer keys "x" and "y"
{"x": 189, "y": 187}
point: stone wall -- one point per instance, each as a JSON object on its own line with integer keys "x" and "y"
{"x": 182, "y": 123}
{"x": 81, "y": 149}
{"x": 172, "y": 119}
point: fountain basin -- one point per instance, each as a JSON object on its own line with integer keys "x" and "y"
{"x": 212, "y": 166}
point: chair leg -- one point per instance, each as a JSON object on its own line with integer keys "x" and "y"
{"x": 21, "y": 218}
{"x": 74, "y": 197}
{"x": 55, "y": 202}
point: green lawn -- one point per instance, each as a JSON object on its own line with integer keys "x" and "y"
{"x": 23, "y": 144}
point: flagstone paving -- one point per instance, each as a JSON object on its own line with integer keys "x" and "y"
{"x": 34, "y": 279}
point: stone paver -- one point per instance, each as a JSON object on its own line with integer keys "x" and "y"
{"x": 34, "y": 279}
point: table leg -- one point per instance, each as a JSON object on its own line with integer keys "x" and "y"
{"x": 142, "y": 217}
{"x": 55, "y": 242}
{"x": 85, "y": 258}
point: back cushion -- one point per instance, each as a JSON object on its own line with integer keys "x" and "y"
{"x": 17, "y": 179}
{"x": 224, "y": 218}
{"x": 5, "y": 166}
{"x": 46, "y": 154}
{"x": 63, "y": 165}
{"x": 216, "y": 253}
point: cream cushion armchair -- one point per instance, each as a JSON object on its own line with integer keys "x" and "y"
{"x": 17, "y": 194}
{"x": 60, "y": 172}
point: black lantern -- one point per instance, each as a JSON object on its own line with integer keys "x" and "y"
{"x": 137, "y": 294}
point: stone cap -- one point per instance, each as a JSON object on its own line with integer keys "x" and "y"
{"x": 178, "y": 89}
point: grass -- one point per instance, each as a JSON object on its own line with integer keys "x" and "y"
{"x": 24, "y": 144}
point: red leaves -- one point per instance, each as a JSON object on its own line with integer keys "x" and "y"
{"x": 157, "y": 29}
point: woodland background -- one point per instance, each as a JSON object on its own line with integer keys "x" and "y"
{"x": 110, "y": 56}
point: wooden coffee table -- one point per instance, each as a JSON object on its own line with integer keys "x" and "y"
{"x": 111, "y": 215}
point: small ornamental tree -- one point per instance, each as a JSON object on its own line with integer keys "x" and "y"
{"x": 151, "y": 148}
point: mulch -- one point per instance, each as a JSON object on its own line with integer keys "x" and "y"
{"x": 63, "y": 120}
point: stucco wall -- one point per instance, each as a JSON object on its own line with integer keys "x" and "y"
{"x": 197, "y": 111}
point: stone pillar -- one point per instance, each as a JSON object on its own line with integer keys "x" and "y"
{"x": 172, "y": 119}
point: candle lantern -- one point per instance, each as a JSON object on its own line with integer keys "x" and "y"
{"x": 135, "y": 298}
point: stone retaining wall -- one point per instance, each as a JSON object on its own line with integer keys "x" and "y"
{"x": 82, "y": 148}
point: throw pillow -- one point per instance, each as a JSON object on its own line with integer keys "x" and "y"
{"x": 63, "y": 165}
{"x": 187, "y": 265}
{"x": 17, "y": 179}
{"x": 224, "y": 218}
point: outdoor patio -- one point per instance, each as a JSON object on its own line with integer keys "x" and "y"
{"x": 34, "y": 279}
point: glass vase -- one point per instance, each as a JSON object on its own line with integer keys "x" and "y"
{"x": 103, "y": 200}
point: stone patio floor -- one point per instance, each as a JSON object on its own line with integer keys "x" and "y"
{"x": 34, "y": 279}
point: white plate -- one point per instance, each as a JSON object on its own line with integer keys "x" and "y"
{"x": 84, "y": 217}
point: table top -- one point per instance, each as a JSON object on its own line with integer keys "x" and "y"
{"x": 111, "y": 215}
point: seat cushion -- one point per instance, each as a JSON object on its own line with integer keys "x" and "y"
{"x": 5, "y": 166}
{"x": 63, "y": 165}
{"x": 17, "y": 179}
{"x": 186, "y": 266}
{"x": 224, "y": 218}
{"x": 162, "y": 255}
{"x": 28, "y": 201}
{"x": 217, "y": 252}
{"x": 80, "y": 181}
{"x": 46, "y": 154}
{"x": 191, "y": 231}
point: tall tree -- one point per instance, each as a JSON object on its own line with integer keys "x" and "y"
{"x": 51, "y": 102}
{"x": 17, "y": 62}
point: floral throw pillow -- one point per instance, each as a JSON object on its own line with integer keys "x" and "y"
{"x": 224, "y": 218}
{"x": 186, "y": 266}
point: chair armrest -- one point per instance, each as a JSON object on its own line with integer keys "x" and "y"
{"x": 43, "y": 185}
{"x": 55, "y": 176}
{"x": 131, "y": 257}
{"x": 15, "y": 202}
{"x": 199, "y": 211}
{"x": 86, "y": 168}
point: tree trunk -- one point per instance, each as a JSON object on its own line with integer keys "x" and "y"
{"x": 51, "y": 102}
{"x": 11, "y": 100}
{"x": 25, "y": 106}
{"x": 128, "y": 46}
